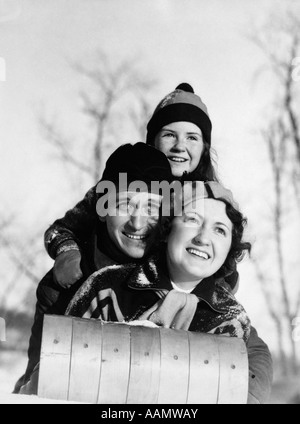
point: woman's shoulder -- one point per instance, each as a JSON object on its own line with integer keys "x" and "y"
{"x": 225, "y": 296}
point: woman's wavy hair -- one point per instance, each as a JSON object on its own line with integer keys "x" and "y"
{"x": 239, "y": 247}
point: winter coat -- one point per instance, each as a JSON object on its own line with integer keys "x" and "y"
{"x": 125, "y": 292}
{"x": 75, "y": 228}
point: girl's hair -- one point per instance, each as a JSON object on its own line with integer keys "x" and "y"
{"x": 205, "y": 170}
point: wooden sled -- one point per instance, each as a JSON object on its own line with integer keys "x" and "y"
{"x": 113, "y": 363}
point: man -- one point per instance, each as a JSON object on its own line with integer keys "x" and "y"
{"x": 122, "y": 236}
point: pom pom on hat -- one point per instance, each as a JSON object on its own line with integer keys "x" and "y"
{"x": 180, "y": 105}
{"x": 184, "y": 86}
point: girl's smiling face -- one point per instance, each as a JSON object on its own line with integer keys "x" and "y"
{"x": 199, "y": 242}
{"x": 182, "y": 143}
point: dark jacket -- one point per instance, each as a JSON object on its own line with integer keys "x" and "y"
{"x": 126, "y": 292}
{"x": 75, "y": 228}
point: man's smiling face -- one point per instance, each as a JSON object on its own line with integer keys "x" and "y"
{"x": 132, "y": 221}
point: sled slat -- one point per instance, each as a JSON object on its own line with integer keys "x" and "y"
{"x": 145, "y": 366}
{"x": 55, "y": 358}
{"x": 175, "y": 364}
{"x": 204, "y": 369}
{"x": 85, "y": 361}
{"x": 233, "y": 380}
{"x": 115, "y": 364}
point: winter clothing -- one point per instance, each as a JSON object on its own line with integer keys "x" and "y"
{"x": 67, "y": 268}
{"x": 192, "y": 191}
{"x": 126, "y": 292}
{"x": 140, "y": 162}
{"x": 180, "y": 105}
{"x": 176, "y": 310}
{"x": 260, "y": 369}
{"x": 53, "y": 299}
{"x": 75, "y": 228}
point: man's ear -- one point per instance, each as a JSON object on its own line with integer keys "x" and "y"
{"x": 102, "y": 218}
{"x": 165, "y": 228}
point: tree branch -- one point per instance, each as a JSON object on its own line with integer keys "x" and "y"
{"x": 61, "y": 144}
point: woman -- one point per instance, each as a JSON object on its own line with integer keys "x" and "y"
{"x": 181, "y": 287}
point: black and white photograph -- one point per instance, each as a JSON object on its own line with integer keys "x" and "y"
{"x": 150, "y": 204}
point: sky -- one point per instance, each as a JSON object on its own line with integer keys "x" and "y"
{"x": 202, "y": 42}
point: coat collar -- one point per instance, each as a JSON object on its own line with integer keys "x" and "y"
{"x": 152, "y": 274}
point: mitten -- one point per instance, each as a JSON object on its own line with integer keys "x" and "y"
{"x": 67, "y": 268}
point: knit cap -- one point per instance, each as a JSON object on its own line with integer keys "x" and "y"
{"x": 180, "y": 105}
{"x": 194, "y": 190}
{"x": 139, "y": 162}
{"x": 135, "y": 168}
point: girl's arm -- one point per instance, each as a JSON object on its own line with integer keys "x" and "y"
{"x": 74, "y": 228}
{"x": 66, "y": 236}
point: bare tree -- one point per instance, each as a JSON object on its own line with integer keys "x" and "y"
{"x": 22, "y": 259}
{"x": 280, "y": 43}
{"x": 115, "y": 93}
{"x": 272, "y": 307}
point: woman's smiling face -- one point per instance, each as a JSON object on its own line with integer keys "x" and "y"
{"x": 182, "y": 143}
{"x": 199, "y": 241}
